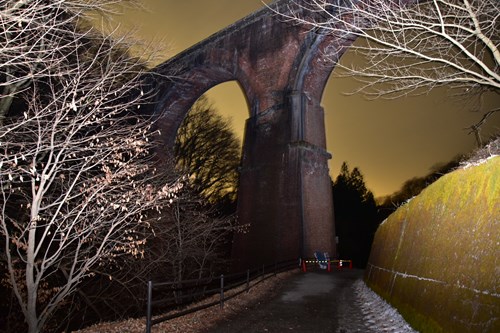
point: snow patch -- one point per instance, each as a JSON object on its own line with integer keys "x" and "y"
{"x": 379, "y": 316}
{"x": 478, "y": 162}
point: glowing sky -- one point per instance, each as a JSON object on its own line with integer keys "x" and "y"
{"x": 390, "y": 141}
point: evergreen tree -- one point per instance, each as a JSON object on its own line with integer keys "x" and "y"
{"x": 355, "y": 215}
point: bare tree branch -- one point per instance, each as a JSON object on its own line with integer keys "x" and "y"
{"x": 412, "y": 46}
{"x": 78, "y": 183}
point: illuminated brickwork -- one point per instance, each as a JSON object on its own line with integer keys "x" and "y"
{"x": 285, "y": 190}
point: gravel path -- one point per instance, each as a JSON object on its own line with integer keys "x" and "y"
{"x": 319, "y": 302}
{"x": 316, "y": 302}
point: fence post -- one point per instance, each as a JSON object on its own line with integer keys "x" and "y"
{"x": 248, "y": 280}
{"x": 148, "y": 310}
{"x": 221, "y": 291}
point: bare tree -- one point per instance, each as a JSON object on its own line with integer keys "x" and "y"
{"x": 36, "y": 35}
{"x": 412, "y": 46}
{"x": 190, "y": 240}
{"x": 194, "y": 235}
{"x": 207, "y": 149}
{"x": 435, "y": 42}
{"x": 78, "y": 185}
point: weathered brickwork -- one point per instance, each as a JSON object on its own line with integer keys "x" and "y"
{"x": 285, "y": 190}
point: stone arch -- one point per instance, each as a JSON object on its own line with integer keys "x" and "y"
{"x": 176, "y": 104}
{"x": 178, "y": 95}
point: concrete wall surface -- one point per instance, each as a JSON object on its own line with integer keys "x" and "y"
{"x": 437, "y": 258}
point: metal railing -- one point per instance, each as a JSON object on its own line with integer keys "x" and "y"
{"x": 338, "y": 263}
{"x": 183, "y": 293}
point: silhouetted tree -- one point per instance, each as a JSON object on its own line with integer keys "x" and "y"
{"x": 355, "y": 215}
{"x": 208, "y": 151}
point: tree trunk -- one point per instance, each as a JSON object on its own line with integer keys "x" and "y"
{"x": 5, "y": 103}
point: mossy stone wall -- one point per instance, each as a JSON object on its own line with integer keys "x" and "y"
{"x": 437, "y": 258}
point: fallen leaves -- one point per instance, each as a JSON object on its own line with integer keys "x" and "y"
{"x": 199, "y": 321}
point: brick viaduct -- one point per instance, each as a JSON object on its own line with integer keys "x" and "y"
{"x": 285, "y": 189}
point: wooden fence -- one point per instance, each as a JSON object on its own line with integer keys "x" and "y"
{"x": 181, "y": 293}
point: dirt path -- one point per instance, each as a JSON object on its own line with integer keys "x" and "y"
{"x": 336, "y": 302}
{"x": 311, "y": 302}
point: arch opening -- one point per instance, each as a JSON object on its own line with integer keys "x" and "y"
{"x": 231, "y": 102}
{"x": 208, "y": 143}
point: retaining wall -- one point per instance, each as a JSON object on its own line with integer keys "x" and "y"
{"x": 436, "y": 258}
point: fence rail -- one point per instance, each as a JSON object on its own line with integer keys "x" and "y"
{"x": 188, "y": 291}
{"x": 339, "y": 263}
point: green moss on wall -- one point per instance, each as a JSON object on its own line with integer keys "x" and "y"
{"x": 436, "y": 258}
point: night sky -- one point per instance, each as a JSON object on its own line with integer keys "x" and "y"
{"x": 390, "y": 141}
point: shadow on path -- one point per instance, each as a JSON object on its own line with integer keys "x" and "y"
{"x": 308, "y": 302}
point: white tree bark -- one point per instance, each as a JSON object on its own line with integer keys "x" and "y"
{"x": 78, "y": 183}
{"x": 412, "y": 46}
